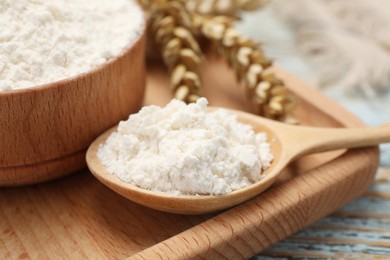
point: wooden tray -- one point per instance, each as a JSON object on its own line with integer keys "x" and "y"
{"x": 77, "y": 217}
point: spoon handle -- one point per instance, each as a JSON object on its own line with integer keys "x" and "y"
{"x": 312, "y": 140}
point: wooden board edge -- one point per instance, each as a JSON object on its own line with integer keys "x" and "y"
{"x": 327, "y": 105}
{"x": 258, "y": 228}
{"x": 255, "y": 225}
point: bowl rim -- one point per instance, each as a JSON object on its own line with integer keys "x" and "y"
{"x": 54, "y": 84}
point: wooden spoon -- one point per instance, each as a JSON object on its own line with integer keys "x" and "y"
{"x": 287, "y": 143}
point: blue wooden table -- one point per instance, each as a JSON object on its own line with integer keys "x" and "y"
{"x": 359, "y": 230}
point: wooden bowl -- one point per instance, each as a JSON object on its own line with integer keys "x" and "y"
{"x": 45, "y": 130}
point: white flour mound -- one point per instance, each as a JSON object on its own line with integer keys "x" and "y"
{"x": 185, "y": 150}
{"x": 42, "y": 41}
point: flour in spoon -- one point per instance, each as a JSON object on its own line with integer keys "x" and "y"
{"x": 186, "y": 150}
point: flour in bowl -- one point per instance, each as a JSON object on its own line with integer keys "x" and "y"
{"x": 42, "y": 41}
{"x": 186, "y": 150}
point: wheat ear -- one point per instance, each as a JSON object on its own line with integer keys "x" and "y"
{"x": 170, "y": 29}
{"x": 268, "y": 92}
{"x": 224, "y": 7}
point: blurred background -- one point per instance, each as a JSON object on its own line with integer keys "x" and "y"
{"x": 341, "y": 47}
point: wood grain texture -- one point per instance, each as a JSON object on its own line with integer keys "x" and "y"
{"x": 82, "y": 218}
{"x": 359, "y": 230}
{"x": 45, "y": 130}
{"x": 254, "y": 226}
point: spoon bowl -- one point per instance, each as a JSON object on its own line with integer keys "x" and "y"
{"x": 287, "y": 143}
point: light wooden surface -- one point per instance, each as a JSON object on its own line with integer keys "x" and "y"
{"x": 82, "y": 218}
{"x": 46, "y": 130}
